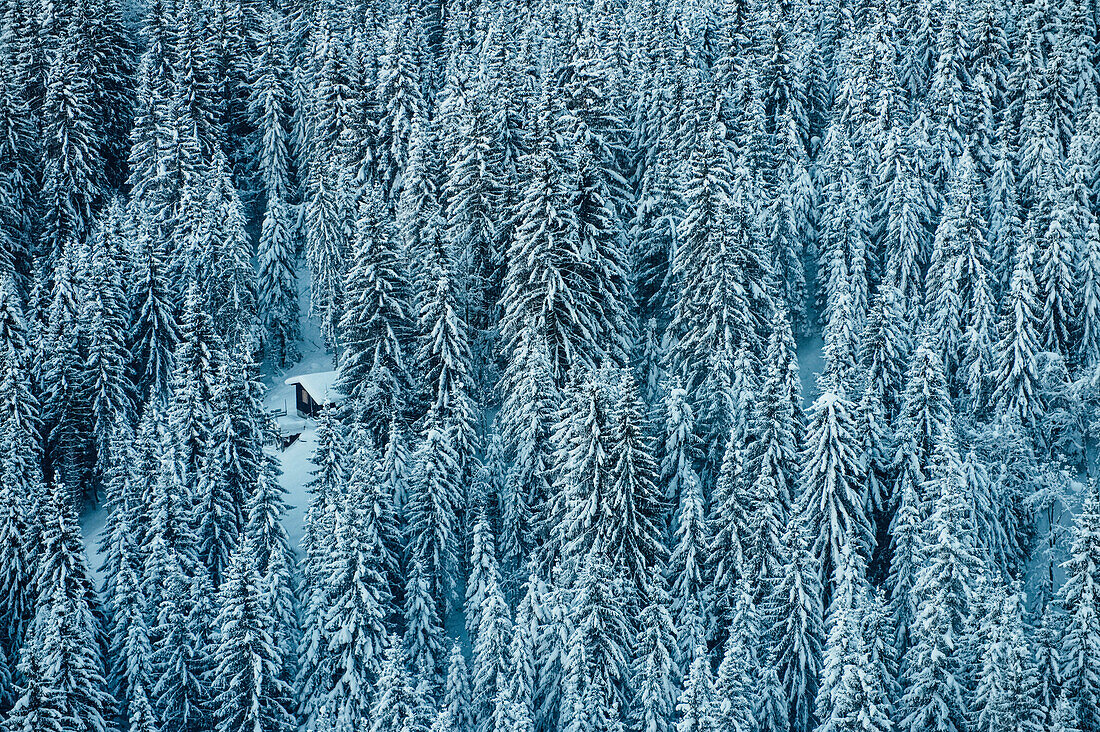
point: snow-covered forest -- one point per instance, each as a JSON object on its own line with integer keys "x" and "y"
{"x": 657, "y": 365}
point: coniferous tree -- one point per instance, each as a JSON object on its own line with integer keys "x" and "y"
{"x": 72, "y": 149}
{"x": 228, "y": 465}
{"x": 734, "y": 687}
{"x": 796, "y": 612}
{"x": 251, "y": 692}
{"x": 680, "y": 451}
{"x": 655, "y": 669}
{"x": 714, "y": 264}
{"x": 223, "y": 239}
{"x": 432, "y": 533}
{"x": 632, "y": 537}
{"x": 1079, "y": 646}
{"x": 327, "y": 244}
{"x": 105, "y": 325}
{"x": 423, "y": 625}
{"x": 687, "y": 562}
{"x": 491, "y": 662}
{"x": 456, "y": 702}
{"x": 197, "y": 358}
{"x": 395, "y": 702}
{"x": 923, "y": 419}
{"x": 264, "y": 529}
{"x": 400, "y": 98}
{"x": 355, "y": 619}
{"x": 959, "y": 281}
{"x": 22, "y": 493}
{"x": 61, "y": 664}
{"x": 484, "y": 568}
{"x": 905, "y": 209}
{"x": 64, "y": 381}
{"x": 1055, "y": 273}
{"x": 375, "y": 321}
{"x": 277, "y": 285}
{"x": 445, "y": 357}
{"x": 731, "y": 508}
{"x": 153, "y": 331}
{"x": 515, "y": 703}
{"x": 152, "y": 181}
{"x": 1005, "y": 693}
{"x": 833, "y": 504}
{"x": 130, "y": 658}
{"x": 180, "y": 691}
{"x": 543, "y": 289}
{"x": 777, "y": 421}
{"x": 844, "y": 646}
{"x": 597, "y": 662}
{"x": 933, "y": 668}
{"x": 1015, "y": 376}
{"x": 327, "y": 488}
{"x": 471, "y": 189}
{"x": 1090, "y": 282}
{"x": 695, "y": 707}
{"x": 1046, "y": 641}
{"x": 17, "y": 160}
{"x": 526, "y": 419}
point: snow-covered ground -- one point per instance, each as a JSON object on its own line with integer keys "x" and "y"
{"x": 810, "y": 366}
{"x": 294, "y": 461}
{"x": 297, "y": 466}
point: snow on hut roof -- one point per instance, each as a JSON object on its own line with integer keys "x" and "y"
{"x": 321, "y": 386}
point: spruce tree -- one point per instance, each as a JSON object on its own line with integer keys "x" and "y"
{"x": 197, "y": 359}
{"x": 491, "y": 662}
{"x": 795, "y": 613}
{"x": 17, "y": 161}
{"x": 399, "y": 96}
{"x": 395, "y": 702}
{"x": 252, "y": 692}
{"x": 423, "y": 625}
{"x": 680, "y": 451}
{"x": 735, "y": 686}
{"x": 153, "y": 330}
{"x": 105, "y": 325}
{"x": 64, "y": 382}
{"x": 1055, "y": 273}
{"x": 72, "y": 150}
{"x": 1014, "y": 376}
{"x": 277, "y": 285}
{"x": 375, "y": 321}
{"x": 445, "y": 358}
{"x": 687, "y": 563}
{"x": 432, "y": 532}
{"x": 632, "y": 535}
{"x": 695, "y": 708}
{"x": 1004, "y": 695}
{"x": 61, "y": 663}
{"x": 1081, "y": 685}
{"x": 355, "y": 619}
{"x": 527, "y": 421}
{"x": 543, "y": 291}
{"x": 933, "y": 668}
{"x": 655, "y": 671}
{"x": 22, "y": 493}
{"x": 1046, "y": 642}
{"x": 833, "y": 504}
{"x": 456, "y": 701}
{"x": 515, "y": 703}
{"x": 229, "y": 464}
{"x": 597, "y": 662}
